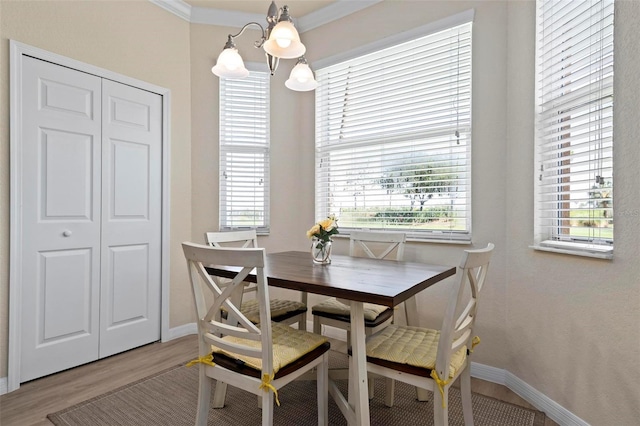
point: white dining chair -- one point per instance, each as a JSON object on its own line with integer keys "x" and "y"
{"x": 282, "y": 310}
{"x": 332, "y": 312}
{"x": 376, "y": 245}
{"x": 435, "y": 359}
{"x": 259, "y": 358}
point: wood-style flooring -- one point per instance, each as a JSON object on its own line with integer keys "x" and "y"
{"x": 29, "y": 405}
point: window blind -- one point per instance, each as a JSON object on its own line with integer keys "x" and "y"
{"x": 393, "y": 138}
{"x": 574, "y": 125}
{"x": 244, "y": 152}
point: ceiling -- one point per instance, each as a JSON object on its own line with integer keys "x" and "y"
{"x": 297, "y": 8}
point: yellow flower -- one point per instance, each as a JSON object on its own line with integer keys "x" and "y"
{"x": 324, "y": 229}
{"x": 327, "y": 224}
{"x": 311, "y": 232}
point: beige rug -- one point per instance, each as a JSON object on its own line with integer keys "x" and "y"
{"x": 169, "y": 398}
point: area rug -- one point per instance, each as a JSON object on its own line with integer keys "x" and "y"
{"x": 169, "y": 398}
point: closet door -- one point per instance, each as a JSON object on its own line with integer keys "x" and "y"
{"x": 131, "y": 217}
{"x": 91, "y": 172}
{"x": 61, "y": 174}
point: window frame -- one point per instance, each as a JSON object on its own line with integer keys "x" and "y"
{"x": 246, "y": 148}
{"x": 557, "y": 228}
{"x": 432, "y": 235}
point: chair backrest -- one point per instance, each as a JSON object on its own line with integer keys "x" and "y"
{"x": 244, "y": 239}
{"x": 209, "y": 298}
{"x": 457, "y": 332}
{"x": 377, "y": 245}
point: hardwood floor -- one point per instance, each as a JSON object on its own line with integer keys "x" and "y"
{"x": 30, "y": 404}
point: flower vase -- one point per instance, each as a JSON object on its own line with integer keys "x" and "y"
{"x": 321, "y": 251}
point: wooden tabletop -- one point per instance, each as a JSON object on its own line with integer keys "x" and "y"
{"x": 383, "y": 282}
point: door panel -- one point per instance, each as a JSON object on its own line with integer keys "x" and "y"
{"x": 129, "y": 300}
{"x": 61, "y": 178}
{"x": 63, "y": 295}
{"x": 130, "y": 173}
{"x": 67, "y": 168}
{"x": 131, "y": 209}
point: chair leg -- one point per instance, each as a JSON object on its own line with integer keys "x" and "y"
{"x": 422, "y": 394}
{"x": 317, "y": 325}
{"x": 267, "y": 408}
{"x": 371, "y": 381}
{"x": 440, "y": 413}
{"x": 389, "y": 391}
{"x": 372, "y": 384}
{"x": 219, "y": 394}
{"x": 350, "y": 383}
{"x": 204, "y": 395}
{"x": 322, "y": 379}
{"x": 465, "y": 392}
{"x": 302, "y": 323}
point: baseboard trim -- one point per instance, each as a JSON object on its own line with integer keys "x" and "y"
{"x": 3, "y": 385}
{"x": 181, "y": 331}
{"x": 540, "y": 401}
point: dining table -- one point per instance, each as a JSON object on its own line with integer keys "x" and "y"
{"x": 353, "y": 280}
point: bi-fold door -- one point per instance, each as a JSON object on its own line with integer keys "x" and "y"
{"x": 91, "y": 217}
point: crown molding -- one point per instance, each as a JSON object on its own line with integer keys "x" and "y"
{"x": 177, "y": 7}
{"x": 228, "y": 18}
{"x": 332, "y": 12}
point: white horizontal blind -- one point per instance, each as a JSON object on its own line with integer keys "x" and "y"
{"x": 393, "y": 138}
{"x": 574, "y": 120}
{"x": 244, "y": 152}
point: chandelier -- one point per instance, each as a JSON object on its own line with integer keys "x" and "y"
{"x": 280, "y": 40}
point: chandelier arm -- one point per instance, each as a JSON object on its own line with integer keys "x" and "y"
{"x": 257, "y": 43}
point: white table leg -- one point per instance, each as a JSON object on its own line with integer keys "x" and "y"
{"x": 360, "y": 397}
{"x": 411, "y": 309}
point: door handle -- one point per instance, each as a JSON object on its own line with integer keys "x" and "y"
{"x": 67, "y": 233}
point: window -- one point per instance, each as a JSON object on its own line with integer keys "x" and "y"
{"x": 393, "y": 137}
{"x": 244, "y": 152}
{"x": 574, "y": 127}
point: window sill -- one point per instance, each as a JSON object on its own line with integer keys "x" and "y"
{"x": 412, "y": 239}
{"x": 575, "y": 249}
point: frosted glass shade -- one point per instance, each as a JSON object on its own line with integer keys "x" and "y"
{"x": 230, "y": 65}
{"x": 284, "y": 42}
{"x": 301, "y": 79}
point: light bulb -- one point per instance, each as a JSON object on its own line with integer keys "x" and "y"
{"x": 283, "y": 42}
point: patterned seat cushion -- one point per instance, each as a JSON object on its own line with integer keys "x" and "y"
{"x": 278, "y": 307}
{"x": 289, "y": 344}
{"x": 413, "y": 346}
{"x": 334, "y": 307}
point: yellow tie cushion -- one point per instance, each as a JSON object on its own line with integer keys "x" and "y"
{"x": 289, "y": 344}
{"x": 413, "y": 346}
{"x": 334, "y": 307}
